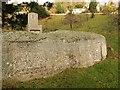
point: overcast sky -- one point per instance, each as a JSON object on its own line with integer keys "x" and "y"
{"x": 39, "y": 1}
{"x": 43, "y": 1}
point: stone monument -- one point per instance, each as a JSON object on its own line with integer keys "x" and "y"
{"x": 33, "y": 23}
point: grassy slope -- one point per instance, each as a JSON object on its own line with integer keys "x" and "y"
{"x": 97, "y": 25}
{"x": 102, "y": 75}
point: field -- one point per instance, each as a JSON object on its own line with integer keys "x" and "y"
{"x": 101, "y": 75}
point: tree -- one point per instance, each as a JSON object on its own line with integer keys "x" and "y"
{"x": 92, "y": 7}
{"x": 12, "y": 21}
{"x": 19, "y": 21}
{"x": 59, "y": 8}
{"x": 42, "y": 13}
{"x": 32, "y": 5}
{"x": 69, "y": 7}
{"x": 119, "y": 15}
{"x": 38, "y": 9}
{"x": 70, "y": 19}
{"x": 8, "y": 9}
{"x": 48, "y": 5}
{"x": 22, "y": 20}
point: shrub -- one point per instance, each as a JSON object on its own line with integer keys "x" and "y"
{"x": 108, "y": 9}
{"x": 59, "y": 8}
{"x": 53, "y": 10}
{"x": 80, "y": 5}
{"x": 69, "y": 7}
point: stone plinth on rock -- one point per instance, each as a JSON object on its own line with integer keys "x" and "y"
{"x": 33, "y": 23}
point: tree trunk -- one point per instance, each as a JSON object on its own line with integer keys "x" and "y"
{"x": 93, "y": 15}
{"x": 12, "y": 27}
{"x": 70, "y": 25}
{"x": 21, "y": 26}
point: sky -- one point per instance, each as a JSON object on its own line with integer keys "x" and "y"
{"x": 43, "y": 1}
{"x": 39, "y": 1}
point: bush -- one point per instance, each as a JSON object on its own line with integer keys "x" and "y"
{"x": 70, "y": 7}
{"x": 59, "y": 8}
{"x": 80, "y": 5}
{"x": 53, "y": 10}
{"x": 108, "y": 9}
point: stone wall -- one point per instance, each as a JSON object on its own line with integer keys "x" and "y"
{"x": 27, "y": 55}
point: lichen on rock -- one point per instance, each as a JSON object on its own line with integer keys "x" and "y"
{"x": 42, "y": 55}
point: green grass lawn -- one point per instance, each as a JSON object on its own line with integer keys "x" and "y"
{"x": 101, "y": 75}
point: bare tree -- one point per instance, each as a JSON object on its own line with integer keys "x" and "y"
{"x": 70, "y": 19}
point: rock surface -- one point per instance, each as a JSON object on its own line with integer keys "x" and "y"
{"x": 27, "y": 55}
{"x": 0, "y": 59}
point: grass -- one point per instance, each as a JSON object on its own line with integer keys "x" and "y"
{"x": 101, "y": 75}
{"x": 99, "y": 24}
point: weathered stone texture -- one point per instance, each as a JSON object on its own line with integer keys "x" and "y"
{"x": 27, "y": 55}
{"x": 0, "y": 58}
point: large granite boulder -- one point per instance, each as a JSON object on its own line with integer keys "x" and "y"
{"x": 0, "y": 58}
{"x": 27, "y": 55}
